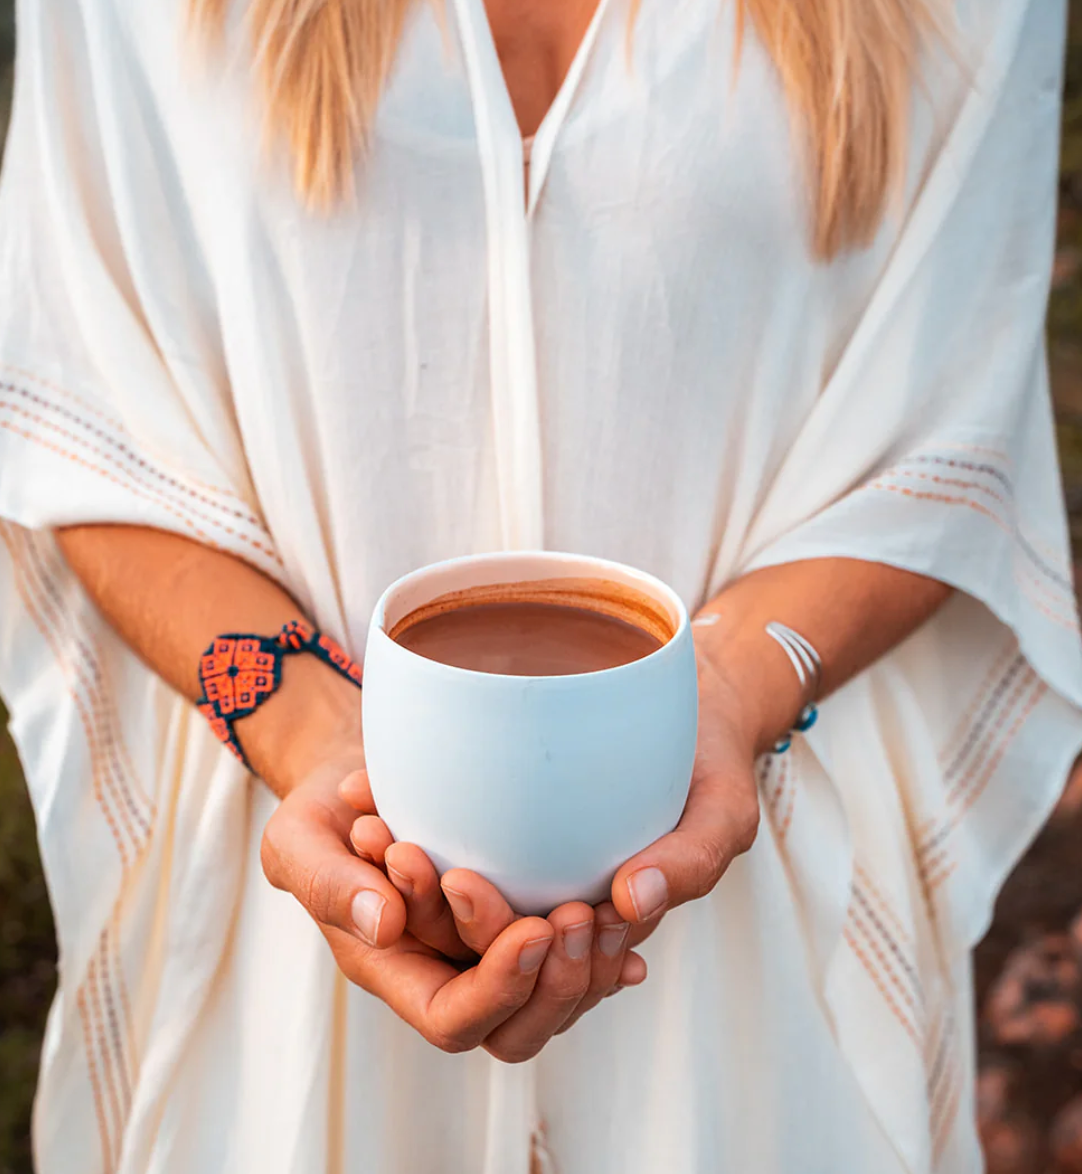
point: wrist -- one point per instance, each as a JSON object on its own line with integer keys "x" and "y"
{"x": 312, "y": 718}
{"x": 765, "y": 695}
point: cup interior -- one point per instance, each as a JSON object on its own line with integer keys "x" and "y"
{"x": 562, "y": 580}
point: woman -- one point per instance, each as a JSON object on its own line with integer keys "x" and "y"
{"x": 286, "y": 314}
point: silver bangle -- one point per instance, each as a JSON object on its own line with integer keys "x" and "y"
{"x": 809, "y": 670}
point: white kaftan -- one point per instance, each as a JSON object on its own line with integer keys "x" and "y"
{"x": 637, "y": 358}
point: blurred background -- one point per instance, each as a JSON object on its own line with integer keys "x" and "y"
{"x": 1029, "y": 968}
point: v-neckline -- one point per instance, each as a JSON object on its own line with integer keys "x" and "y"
{"x": 504, "y": 121}
{"x": 510, "y": 198}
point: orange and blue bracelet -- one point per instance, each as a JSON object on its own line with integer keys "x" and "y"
{"x": 239, "y": 672}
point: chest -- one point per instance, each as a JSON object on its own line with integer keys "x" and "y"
{"x": 536, "y": 42}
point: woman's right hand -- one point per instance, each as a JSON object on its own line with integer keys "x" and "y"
{"x": 528, "y": 984}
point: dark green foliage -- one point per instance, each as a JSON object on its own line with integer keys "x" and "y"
{"x": 27, "y": 973}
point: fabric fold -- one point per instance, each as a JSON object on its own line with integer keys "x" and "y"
{"x": 931, "y": 449}
{"x": 701, "y": 385}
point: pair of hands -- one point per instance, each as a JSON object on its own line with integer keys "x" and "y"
{"x": 449, "y": 955}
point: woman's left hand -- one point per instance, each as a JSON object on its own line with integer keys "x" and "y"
{"x": 464, "y": 913}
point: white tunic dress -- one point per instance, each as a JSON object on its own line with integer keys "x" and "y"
{"x": 637, "y": 358}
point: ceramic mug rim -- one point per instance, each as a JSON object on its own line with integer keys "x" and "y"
{"x": 656, "y": 588}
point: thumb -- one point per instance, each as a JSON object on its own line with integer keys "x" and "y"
{"x": 304, "y": 853}
{"x": 719, "y": 823}
{"x": 354, "y": 789}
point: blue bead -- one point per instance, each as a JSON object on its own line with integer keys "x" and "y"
{"x": 781, "y": 747}
{"x": 807, "y": 719}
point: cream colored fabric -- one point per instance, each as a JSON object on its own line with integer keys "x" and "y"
{"x": 645, "y": 364}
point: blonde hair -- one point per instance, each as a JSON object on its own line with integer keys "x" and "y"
{"x": 848, "y": 68}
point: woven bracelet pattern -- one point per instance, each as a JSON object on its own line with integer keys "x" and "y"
{"x": 239, "y": 671}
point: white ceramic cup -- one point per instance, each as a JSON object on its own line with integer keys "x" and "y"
{"x": 543, "y": 785}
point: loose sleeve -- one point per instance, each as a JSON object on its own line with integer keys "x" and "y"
{"x": 114, "y": 399}
{"x": 115, "y": 408}
{"x": 932, "y": 448}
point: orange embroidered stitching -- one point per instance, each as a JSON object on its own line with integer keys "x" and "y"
{"x": 151, "y": 492}
{"x": 944, "y": 875}
{"x": 128, "y": 1024}
{"x": 980, "y": 450}
{"x": 50, "y": 607}
{"x": 947, "y": 499}
{"x": 938, "y": 1070}
{"x": 935, "y": 1052}
{"x": 953, "y": 482}
{"x": 977, "y": 759}
{"x": 127, "y": 451}
{"x": 95, "y": 1085}
{"x": 999, "y": 702}
{"x": 982, "y": 696}
{"x": 885, "y": 907}
{"x": 895, "y": 1009}
{"x": 76, "y": 459}
{"x": 115, "y": 1037}
{"x": 23, "y": 561}
{"x": 112, "y": 421}
{"x": 104, "y": 1054}
{"x": 946, "y": 1111}
{"x": 1018, "y": 678}
{"x": 95, "y": 774}
{"x": 51, "y": 572}
{"x": 886, "y": 968}
{"x": 902, "y": 957}
{"x": 783, "y": 831}
{"x": 935, "y": 881}
{"x": 783, "y": 776}
{"x": 88, "y": 670}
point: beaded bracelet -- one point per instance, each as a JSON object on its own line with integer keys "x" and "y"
{"x": 239, "y": 672}
{"x": 809, "y": 668}
{"x": 808, "y": 665}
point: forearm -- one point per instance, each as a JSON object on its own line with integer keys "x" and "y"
{"x": 168, "y": 597}
{"x": 851, "y": 611}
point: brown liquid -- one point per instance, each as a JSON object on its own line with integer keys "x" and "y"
{"x": 528, "y": 639}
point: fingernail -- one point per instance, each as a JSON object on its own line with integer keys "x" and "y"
{"x": 610, "y": 940}
{"x": 367, "y": 914}
{"x": 649, "y": 891}
{"x": 615, "y": 991}
{"x": 578, "y": 939}
{"x": 461, "y": 905}
{"x": 533, "y": 954}
{"x": 401, "y": 882}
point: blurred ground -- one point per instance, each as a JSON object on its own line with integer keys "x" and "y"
{"x": 1029, "y": 968}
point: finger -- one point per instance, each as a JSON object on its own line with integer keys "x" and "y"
{"x": 635, "y": 969}
{"x": 305, "y": 853}
{"x": 633, "y": 972}
{"x": 719, "y": 822}
{"x": 562, "y": 984}
{"x": 480, "y": 911}
{"x": 370, "y": 838}
{"x": 463, "y": 1012}
{"x": 428, "y": 916}
{"x": 453, "y": 1010}
{"x": 355, "y": 791}
{"x": 636, "y": 972}
{"x": 611, "y": 934}
{"x": 639, "y": 933}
